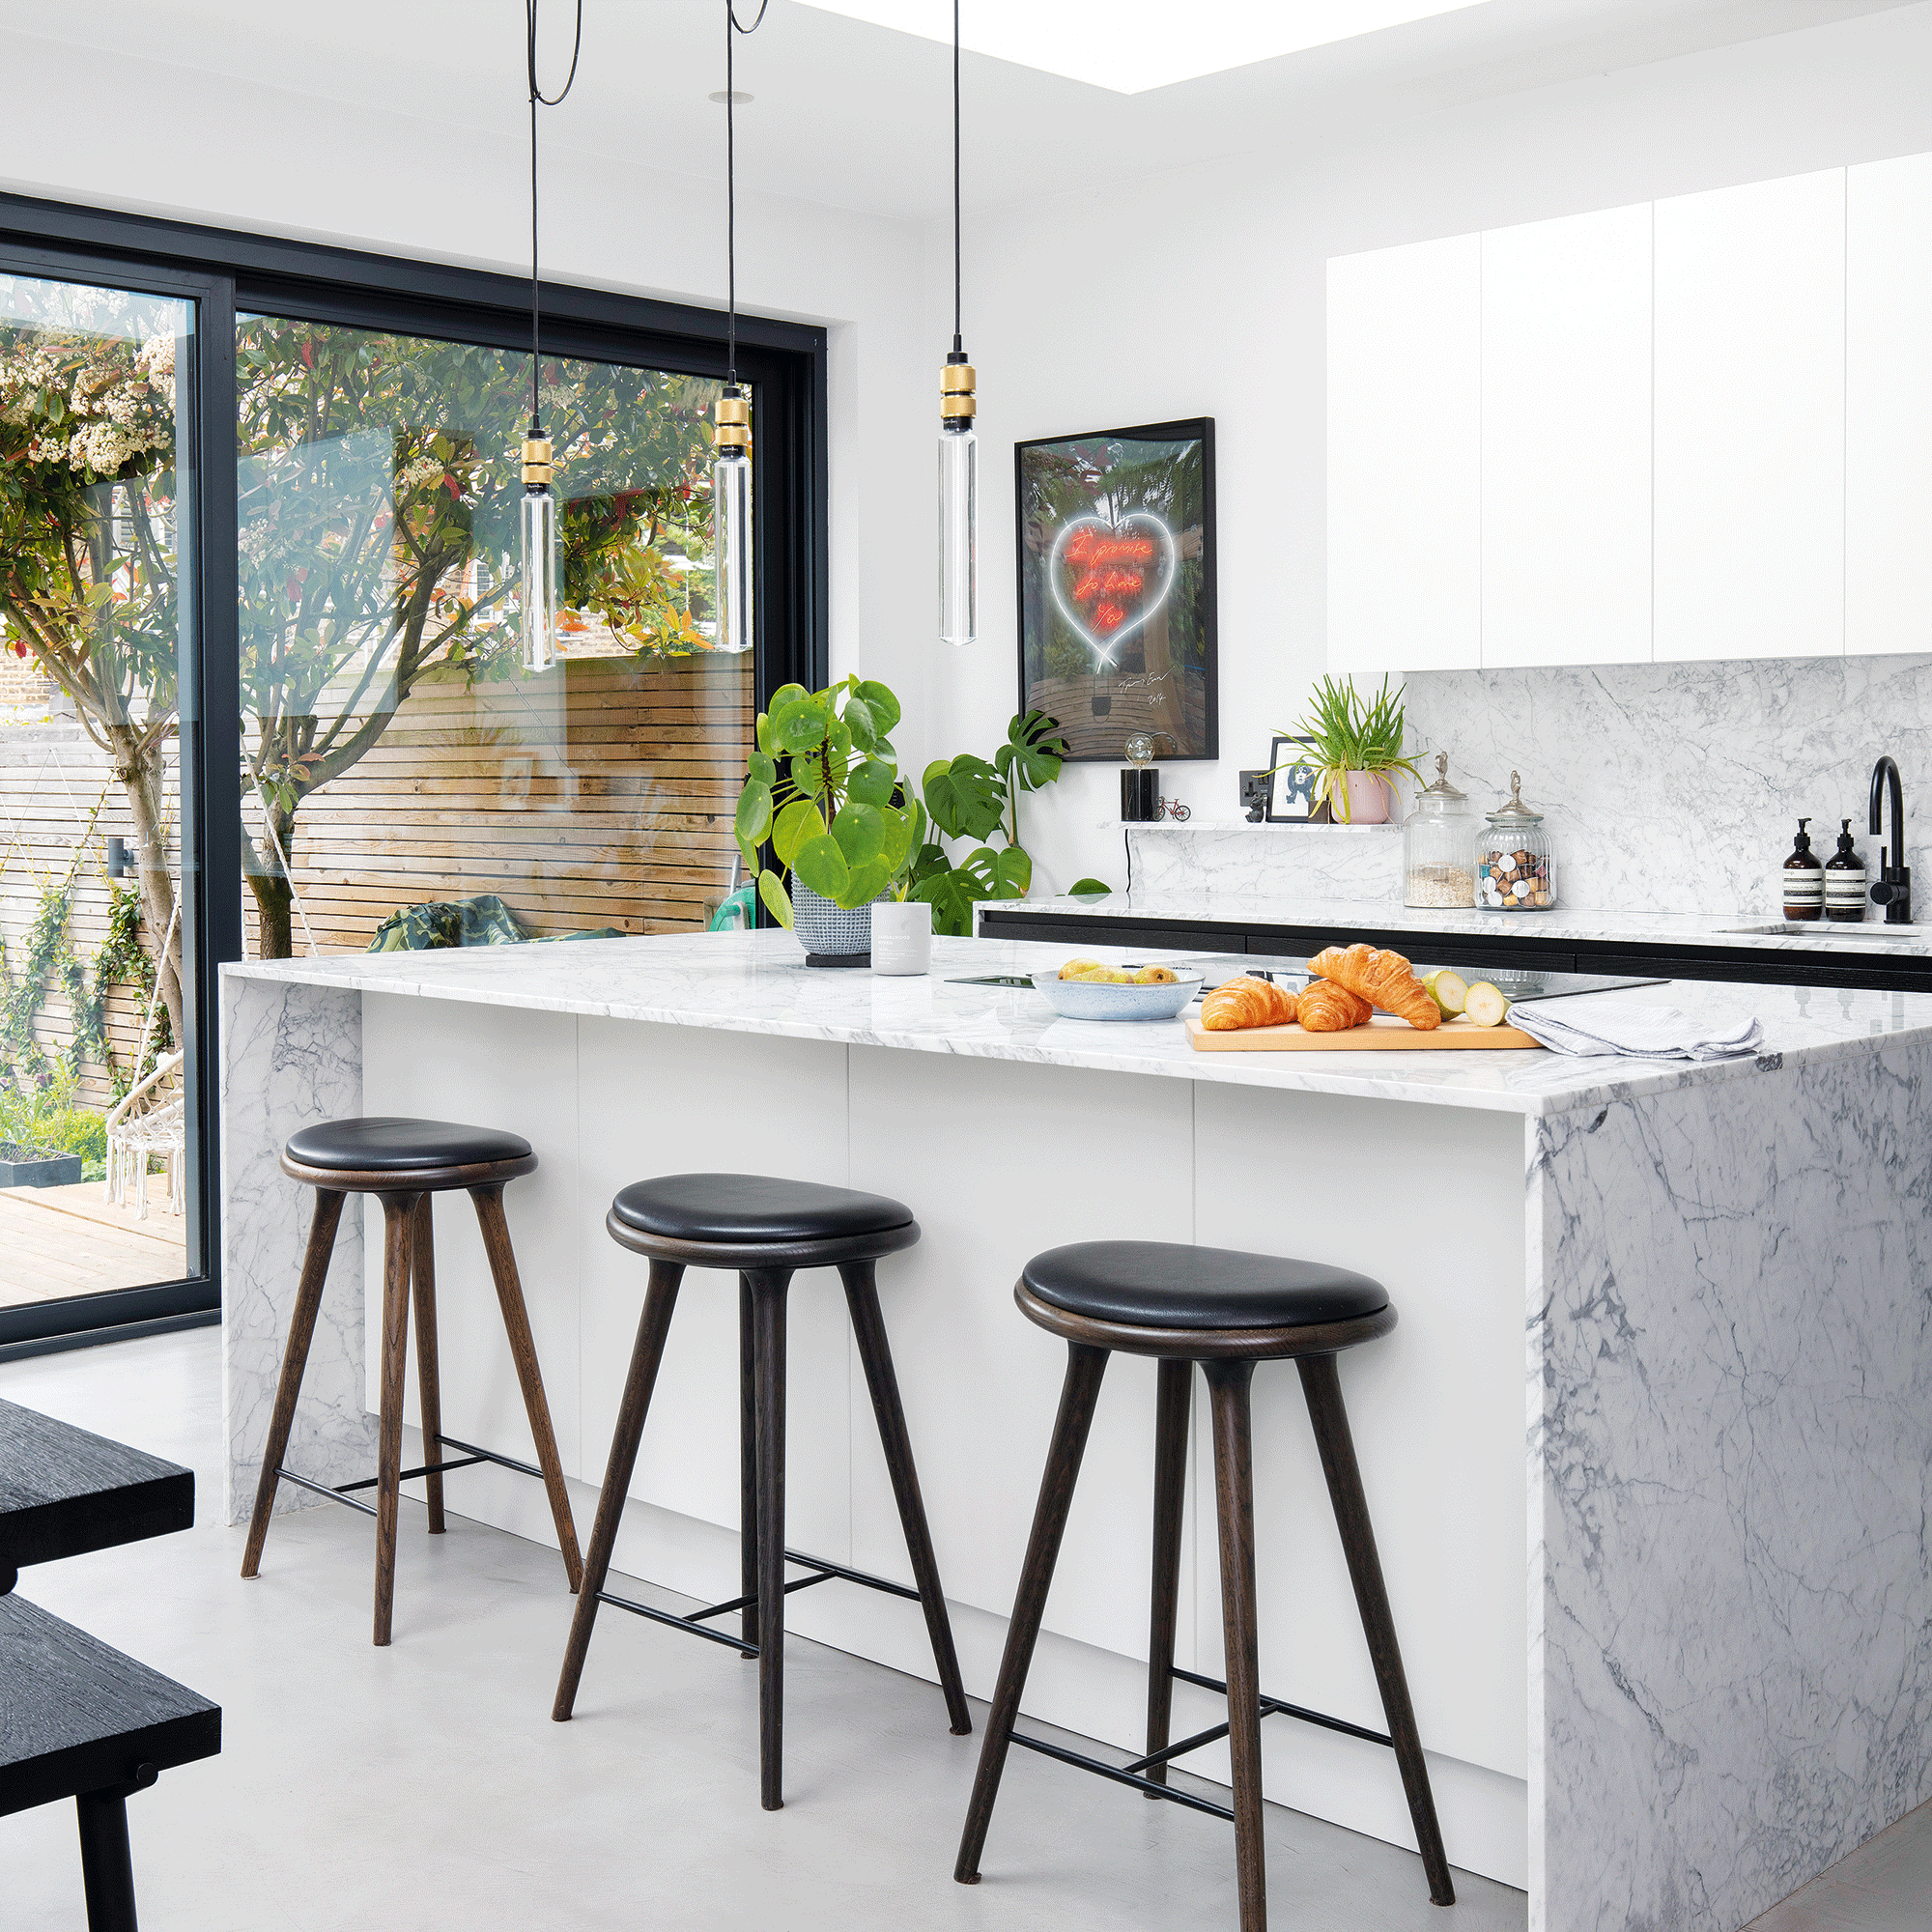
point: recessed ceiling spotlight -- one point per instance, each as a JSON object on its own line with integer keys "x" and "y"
{"x": 1131, "y": 45}
{"x": 737, "y": 98}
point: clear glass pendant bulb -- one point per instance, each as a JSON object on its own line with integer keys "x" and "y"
{"x": 958, "y": 526}
{"x": 539, "y": 586}
{"x": 731, "y": 547}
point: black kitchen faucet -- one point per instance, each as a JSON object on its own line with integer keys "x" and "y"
{"x": 1893, "y": 891}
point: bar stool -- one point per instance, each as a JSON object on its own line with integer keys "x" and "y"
{"x": 765, "y": 1229}
{"x": 403, "y": 1163}
{"x": 1226, "y": 1311}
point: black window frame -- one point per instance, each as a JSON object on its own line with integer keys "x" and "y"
{"x": 228, "y": 272}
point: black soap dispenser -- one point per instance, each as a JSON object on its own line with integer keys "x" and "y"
{"x": 1803, "y": 878}
{"x": 1845, "y": 881}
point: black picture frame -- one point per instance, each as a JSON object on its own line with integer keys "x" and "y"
{"x": 1291, "y": 796}
{"x": 1162, "y": 676}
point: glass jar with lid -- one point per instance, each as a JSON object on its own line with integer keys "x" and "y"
{"x": 1435, "y": 866}
{"x": 1514, "y": 871}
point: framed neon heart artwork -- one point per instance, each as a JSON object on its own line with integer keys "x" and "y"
{"x": 1117, "y": 569}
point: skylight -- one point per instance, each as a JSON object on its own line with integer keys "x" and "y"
{"x": 1131, "y": 45}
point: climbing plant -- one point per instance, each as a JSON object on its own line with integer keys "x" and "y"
{"x": 50, "y": 963}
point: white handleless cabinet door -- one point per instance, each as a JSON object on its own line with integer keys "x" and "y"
{"x": 1750, "y": 421}
{"x": 1566, "y": 441}
{"x": 1888, "y": 406}
{"x": 1404, "y": 454}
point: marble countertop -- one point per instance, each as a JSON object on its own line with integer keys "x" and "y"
{"x": 757, "y": 982}
{"x": 1727, "y": 930}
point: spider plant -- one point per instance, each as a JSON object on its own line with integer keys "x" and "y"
{"x": 1346, "y": 732}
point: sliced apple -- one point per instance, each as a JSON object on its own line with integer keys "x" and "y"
{"x": 1448, "y": 989}
{"x": 1484, "y": 1004}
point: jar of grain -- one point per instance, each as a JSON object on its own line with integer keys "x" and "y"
{"x": 1436, "y": 866}
{"x": 1514, "y": 873}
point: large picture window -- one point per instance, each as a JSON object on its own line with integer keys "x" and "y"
{"x": 261, "y": 691}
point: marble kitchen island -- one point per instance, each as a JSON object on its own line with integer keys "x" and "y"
{"x": 1648, "y": 1453}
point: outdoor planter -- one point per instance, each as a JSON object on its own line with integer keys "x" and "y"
{"x": 36, "y": 1167}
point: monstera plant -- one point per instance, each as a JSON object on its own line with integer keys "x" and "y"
{"x": 824, "y": 787}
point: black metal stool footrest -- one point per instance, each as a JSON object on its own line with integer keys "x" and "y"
{"x": 823, "y": 1571}
{"x": 1132, "y": 1772}
{"x": 342, "y": 1492}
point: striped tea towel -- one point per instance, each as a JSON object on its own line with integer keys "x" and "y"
{"x": 1588, "y": 1023}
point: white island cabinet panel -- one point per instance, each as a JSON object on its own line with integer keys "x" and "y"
{"x": 1405, "y": 455}
{"x": 1888, "y": 406}
{"x": 1566, "y": 394}
{"x": 1750, "y": 421}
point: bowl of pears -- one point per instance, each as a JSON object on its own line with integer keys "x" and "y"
{"x": 1085, "y": 989}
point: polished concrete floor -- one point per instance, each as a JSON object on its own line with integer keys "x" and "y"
{"x": 424, "y": 1786}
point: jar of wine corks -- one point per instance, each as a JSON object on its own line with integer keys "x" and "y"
{"x": 1514, "y": 871}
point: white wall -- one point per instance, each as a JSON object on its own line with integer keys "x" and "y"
{"x": 133, "y": 135}
{"x": 1218, "y": 310}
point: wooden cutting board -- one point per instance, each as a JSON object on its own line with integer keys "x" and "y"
{"x": 1383, "y": 1030}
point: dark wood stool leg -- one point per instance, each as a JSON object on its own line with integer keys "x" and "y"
{"x": 1170, "y": 1482}
{"x": 295, "y": 1359}
{"x": 422, "y": 1284}
{"x": 398, "y": 1225}
{"x": 1228, "y": 1385}
{"x": 106, "y": 1866}
{"x": 1078, "y": 1394}
{"x": 1322, "y": 1387}
{"x": 524, "y": 1352}
{"x": 769, "y": 1286}
{"x": 660, "y": 1299}
{"x": 869, "y": 1326}
{"x": 748, "y": 1466}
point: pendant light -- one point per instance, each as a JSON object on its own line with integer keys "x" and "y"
{"x": 731, "y": 442}
{"x": 539, "y": 508}
{"x": 959, "y": 444}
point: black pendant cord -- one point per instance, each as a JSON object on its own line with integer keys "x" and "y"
{"x": 538, "y": 98}
{"x": 732, "y": 25}
{"x": 958, "y": 344}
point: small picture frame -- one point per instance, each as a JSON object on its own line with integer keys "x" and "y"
{"x": 1290, "y": 785}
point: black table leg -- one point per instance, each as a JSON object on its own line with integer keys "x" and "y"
{"x": 107, "y": 1867}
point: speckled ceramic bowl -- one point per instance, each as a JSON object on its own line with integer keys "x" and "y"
{"x": 1103, "y": 1000}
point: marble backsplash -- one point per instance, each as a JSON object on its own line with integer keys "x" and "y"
{"x": 1678, "y": 787}
{"x": 1665, "y": 788}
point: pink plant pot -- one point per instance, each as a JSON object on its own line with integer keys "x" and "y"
{"x": 1368, "y": 798}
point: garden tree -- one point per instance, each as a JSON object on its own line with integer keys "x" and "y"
{"x": 379, "y": 483}
{"x": 88, "y": 578}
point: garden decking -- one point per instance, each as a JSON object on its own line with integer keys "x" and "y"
{"x": 57, "y": 1241}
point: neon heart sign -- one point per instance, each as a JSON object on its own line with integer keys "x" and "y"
{"x": 1120, "y": 574}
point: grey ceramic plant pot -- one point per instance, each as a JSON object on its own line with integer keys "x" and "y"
{"x": 831, "y": 935}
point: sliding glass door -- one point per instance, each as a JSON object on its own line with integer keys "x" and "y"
{"x": 100, "y": 1174}
{"x": 271, "y": 702}
{"x": 407, "y": 784}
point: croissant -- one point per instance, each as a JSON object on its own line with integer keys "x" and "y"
{"x": 1247, "y": 1002}
{"x": 1384, "y": 978}
{"x": 1327, "y": 1005}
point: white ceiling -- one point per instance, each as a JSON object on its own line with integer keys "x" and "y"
{"x": 1132, "y": 46}
{"x": 858, "y": 115}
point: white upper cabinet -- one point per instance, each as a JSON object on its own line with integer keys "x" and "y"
{"x": 1749, "y": 421}
{"x": 1888, "y": 406}
{"x": 1404, "y": 451}
{"x": 1566, "y": 502}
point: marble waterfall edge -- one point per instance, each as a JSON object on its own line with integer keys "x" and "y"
{"x": 1730, "y": 1446}
{"x": 290, "y": 1055}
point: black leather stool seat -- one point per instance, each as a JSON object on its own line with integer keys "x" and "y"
{"x": 1164, "y": 1284}
{"x": 743, "y": 1209}
{"x": 383, "y": 1142}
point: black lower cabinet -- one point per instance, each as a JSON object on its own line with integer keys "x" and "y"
{"x": 1840, "y": 968}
